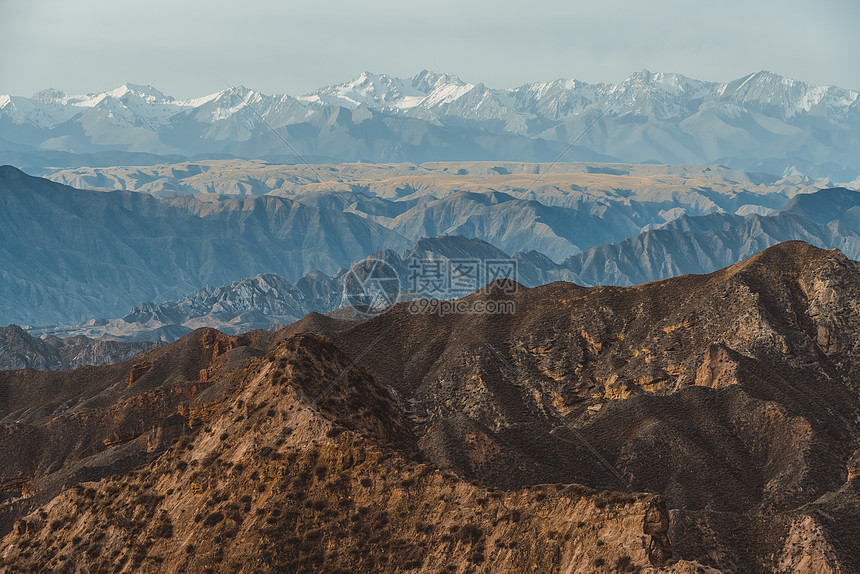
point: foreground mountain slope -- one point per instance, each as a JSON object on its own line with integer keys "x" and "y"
{"x": 271, "y": 475}
{"x": 72, "y": 254}
{"x": 731, "y": 393}
{"x": 732, "y": 398}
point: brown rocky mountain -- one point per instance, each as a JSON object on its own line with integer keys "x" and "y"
{"x": 19, "y": 350}
{"x": 265, "y": 477}
{"x": 702, "y": 423}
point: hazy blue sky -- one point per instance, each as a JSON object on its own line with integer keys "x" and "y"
{"x": 191, "y": 47}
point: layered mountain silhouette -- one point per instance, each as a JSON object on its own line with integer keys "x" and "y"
{"x": 827, "y": 218}
{"x": 761, "y": 121}
{"x": 705, "y": 422}
{"x": 558, "y": 209}
{"x": 73, "y": 254}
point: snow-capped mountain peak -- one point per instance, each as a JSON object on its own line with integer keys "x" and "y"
{"x": 147, "y": 93}
{"x": 425, "y": 89}
{"x": 368, "y": 89}
{"x": 657, "y": 116}
{"x": 661, "y": 95}
{"x": 766, "y": 91}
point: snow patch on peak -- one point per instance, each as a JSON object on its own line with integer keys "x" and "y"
{"x": 368, "y": 89}
{"x": 785, "y": 96}
{"x": 197, "y": 102}
{"x": 144, "y": 92}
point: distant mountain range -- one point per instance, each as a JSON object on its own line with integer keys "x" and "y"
{"x": 268, "y": 300}
{"x": 70, "y": 255}
{"x": 515, "y": 206}
{"x": 761, "y": 122}
{"x": 829, "y": 218}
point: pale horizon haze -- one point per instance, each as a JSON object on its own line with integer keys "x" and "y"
{"x": 193, "y": 48}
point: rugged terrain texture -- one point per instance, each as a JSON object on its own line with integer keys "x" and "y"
{"x": 60, "y": 241}
{"x": 711, "y": 423}
{"x": 732, "y": 394}
{"x": 266, "y": 478}
{"x": 18, "y": 350}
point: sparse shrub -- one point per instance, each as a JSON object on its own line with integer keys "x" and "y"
{"x": 164, "y": 527}
{"x": 321, "y": 471}
{"x": 471, "y": 533}
{"x": 213, "y": 518}
{"x": 477, "y": 557}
